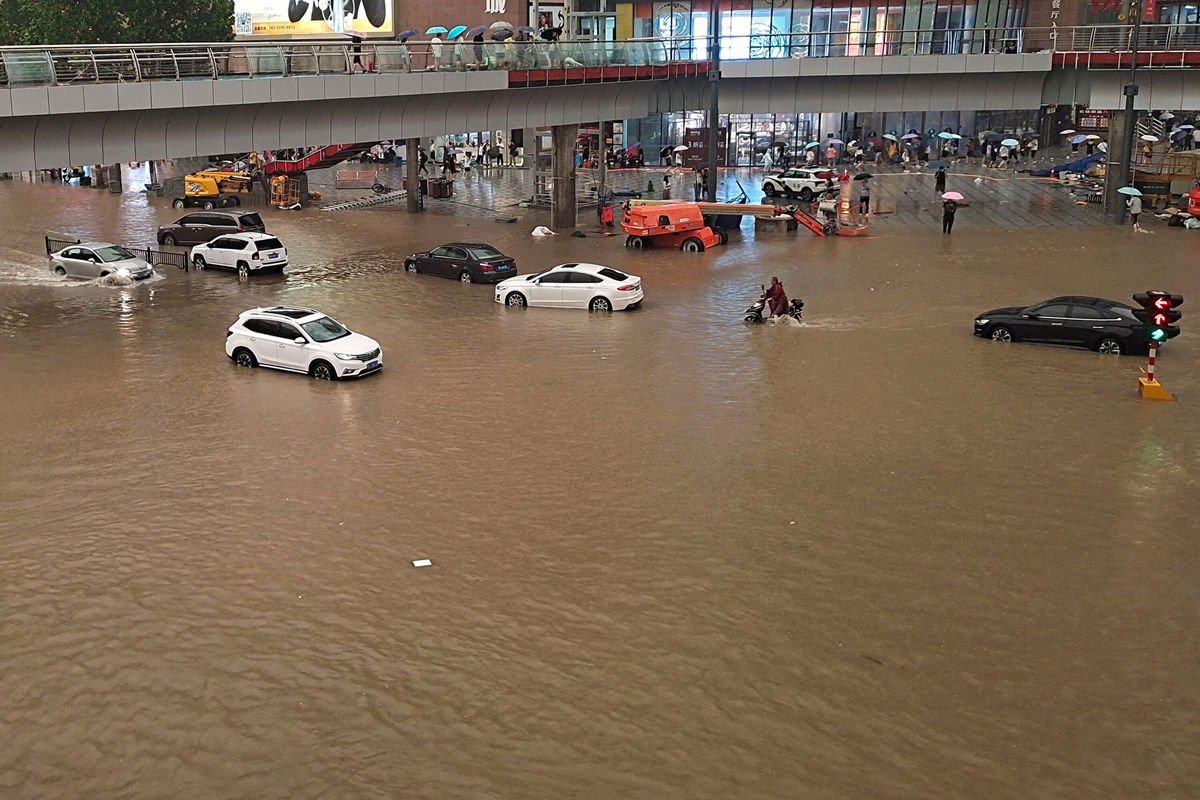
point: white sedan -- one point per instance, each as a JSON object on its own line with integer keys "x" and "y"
{"x": 590, "y": 286}
{"x": 98, "y": 260}
{"x": 803, "y": 183}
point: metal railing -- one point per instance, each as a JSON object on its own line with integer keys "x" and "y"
{"x": 62, "y": 65}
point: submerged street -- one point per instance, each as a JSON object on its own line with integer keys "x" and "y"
{"x": 869, "y": 555}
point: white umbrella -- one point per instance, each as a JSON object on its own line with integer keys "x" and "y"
{"x": 1010, "y": 142}
{"x": 500, "y": 26}
{"x": 1148, "y": 137}
{"x": 680, "y": 148}
{"x": 1092, "y": 137}
{"x": 1066, "y": 131}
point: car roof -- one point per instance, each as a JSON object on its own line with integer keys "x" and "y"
{"x": 1084, "y": 300}
{"x": 250, "y": 236}
{"x": 470, "y": 244}
{"x": 284, "y": 312}
{"x": 586, "y": 267}
{"x": 93, "y": 245}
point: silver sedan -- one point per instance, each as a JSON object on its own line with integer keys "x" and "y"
{"x": 97, "y": 260}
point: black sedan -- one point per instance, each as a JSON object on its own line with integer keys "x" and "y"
{"x": 469, "y": 262}
{"x": 1105, "y": 326}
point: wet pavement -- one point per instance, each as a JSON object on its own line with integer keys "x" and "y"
{"x": 870, "y": 556}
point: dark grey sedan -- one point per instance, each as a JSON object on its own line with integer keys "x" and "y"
{"x": 469, "y": 262}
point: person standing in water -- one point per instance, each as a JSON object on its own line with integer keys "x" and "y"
{"x": 949, "y": 208}
{"x": 939, "y": 180}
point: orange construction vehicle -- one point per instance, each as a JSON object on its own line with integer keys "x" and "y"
{"x": 668, "y": 224}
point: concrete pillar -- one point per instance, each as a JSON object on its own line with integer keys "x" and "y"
{"x": 98, "y": 175}
{"x": 412, "y": 167}
{"x": 1116, "y": 156}
{"x": 562, "y": 198}
{"x": 114, "y": 180}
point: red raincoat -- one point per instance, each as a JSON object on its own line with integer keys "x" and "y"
{"x": 776, "y": 299}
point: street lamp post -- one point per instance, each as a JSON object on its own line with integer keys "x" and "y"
{"x": 1131, "y": 90}
{"x": 714, "y": 106}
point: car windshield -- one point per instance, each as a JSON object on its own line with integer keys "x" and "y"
{"x": 113, "y": 252}
{"x": 484, "y": 251}
{"x": 324, "y": 329}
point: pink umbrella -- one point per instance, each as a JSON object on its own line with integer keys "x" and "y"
{"x": 952, "y": 196}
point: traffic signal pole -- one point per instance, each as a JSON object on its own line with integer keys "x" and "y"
{"x": 1158, "y": 314}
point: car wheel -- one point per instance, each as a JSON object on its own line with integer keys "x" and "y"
{"x": 208, "y": 205}
{"x": 60, "y": 272}
{"x": 179, "y": 203}
{"x": 410, "y": 266}
{"x": 602, "y": 304}
{"x": 515, "y": 299}
{"x": 169, "y": 240}
{"x": 244, "y": 358}
{"x": 1109, "y": 346}
{"x": 769, "y": 189}
{"x": 198, "y": 262}
{"x": 635, "y": 242}
{"x": 1001, "y": 333}
{"x": 464, "y": 276}
{"x": 234, "y": 201}
{"x": 723, "y": 235}
{"x": 806, "y": 194}
{"x": 323, "y": 371}
{"x": 692, "y": 245}
{"x": 243, "y": 269}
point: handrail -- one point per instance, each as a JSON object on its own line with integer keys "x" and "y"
{"x": 32, "y": 65}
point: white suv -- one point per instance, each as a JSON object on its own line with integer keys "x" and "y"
{"x": 803, "y": 183}
{"x": 301, "y": 340}
{"x": 248, "y": 253}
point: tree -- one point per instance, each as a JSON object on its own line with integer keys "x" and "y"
{"x": 34, "y": 22}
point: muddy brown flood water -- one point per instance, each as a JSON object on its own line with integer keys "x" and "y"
{"x": 673, "y": 556}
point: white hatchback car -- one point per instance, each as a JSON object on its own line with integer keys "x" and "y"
{"x": 799, "y": 182}
{"x": 589, "y": 286}
{"x": 247, "y": 253}
{"x": 301, "y": 340}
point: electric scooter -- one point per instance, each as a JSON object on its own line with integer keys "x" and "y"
{"x": 757, "y": 313}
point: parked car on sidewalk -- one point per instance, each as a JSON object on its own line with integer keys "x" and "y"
{"x": 469, "y": 262}
{"x": 204, "y": 226}
{"x": 301, "y": 340}
{"x": 1105, "y": 326}
{"x": 590, "y": 286}
{"x": 803, "y": 183}
{"x": 245, "y": 253}
{"x": 98, "y": 260}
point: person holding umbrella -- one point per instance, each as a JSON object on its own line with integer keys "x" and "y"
{"x": 1134, "y": 203}
{"x": 950, "y": 204}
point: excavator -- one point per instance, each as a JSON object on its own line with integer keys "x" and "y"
{"x": 213, "y": 189}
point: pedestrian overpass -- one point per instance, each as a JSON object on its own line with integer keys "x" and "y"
{"x": 66, "y": 105}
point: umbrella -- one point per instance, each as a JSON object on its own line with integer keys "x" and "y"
{"x": 1066, "y": 131}
{"x": 852, "y": 142}
{"x": 952, "y": 196}
{"x": 500, "y": 26}
{"x": 436, "y": 29}
{"x": 1076, "y": 139}
{"x": 478, "y": 29}
{"x": 1010, "y": 142}
{"x": 1148, "y": 137}
{"x": 550, "y": 34}
{"x": 526, "y": 29}
{"x": 406, "y": 34}
{"x": 457, "y": 31}
{"x": 835, "y": 141}
{"x": 890, "y": 136}
{"x": 992, "y": 136}
{"x": 1102, "y": 147}
{"x": 679, "y": 148}
{"x": 911, "y": 136}
{"x": 948, "y": 135}
{"x": 1166, "y": 115}
{"x": 1186, "y": 127}
{"x": 1092, "y": 137}
{"x": 1129, "y": 190}
{"x": 500, "y": 36}
{"x": 938, "y": 165}
{"x": 862, "y": 176}
{"x": 353, "y": 33}
{"x": 811, "y": 145}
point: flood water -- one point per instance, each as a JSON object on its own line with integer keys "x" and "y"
{"x": 867, "y": 557}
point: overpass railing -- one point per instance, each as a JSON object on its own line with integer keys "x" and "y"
{"x": 77, "y": 64}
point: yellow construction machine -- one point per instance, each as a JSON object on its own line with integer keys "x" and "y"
{"x": 213, "y": 189}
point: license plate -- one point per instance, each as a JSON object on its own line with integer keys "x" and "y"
{"x": 372, "y": 365}
{"x": 272, "y": 255}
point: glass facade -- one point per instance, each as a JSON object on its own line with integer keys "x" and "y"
{"x": 815, "y": 28}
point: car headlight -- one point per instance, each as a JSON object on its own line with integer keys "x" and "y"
{"x": 981, "y": 321}
{"x": 345, "y": 357}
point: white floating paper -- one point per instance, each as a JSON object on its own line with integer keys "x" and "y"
{"x": 423, "y": 562}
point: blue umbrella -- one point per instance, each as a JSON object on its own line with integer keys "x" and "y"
{"x": 1186, "y": 127}
{"x": 1129, "y": 190}
{"x": 948, "y": 135}
{"x": 811, "y": 145}
{"x": 406, "y": 34}
{"x": 456, "y": 31}
{"x": 1010, "y": 143}
{"x": 436, "y": 29}
{"x": 478, "y": 29}
{"x": 1078, "y": 139}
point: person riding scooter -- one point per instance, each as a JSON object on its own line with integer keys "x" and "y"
{"x": 776, "y": 298}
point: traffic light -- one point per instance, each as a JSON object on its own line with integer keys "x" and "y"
{"x": 1158, "y": 314}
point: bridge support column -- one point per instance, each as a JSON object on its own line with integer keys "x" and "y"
{"x": 412, "y": 170}
{"x": 1115, "y": 171}
{"x": 562, "y": 195}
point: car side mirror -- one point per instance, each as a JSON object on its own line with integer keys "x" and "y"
{"x": 300, "y": 340}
